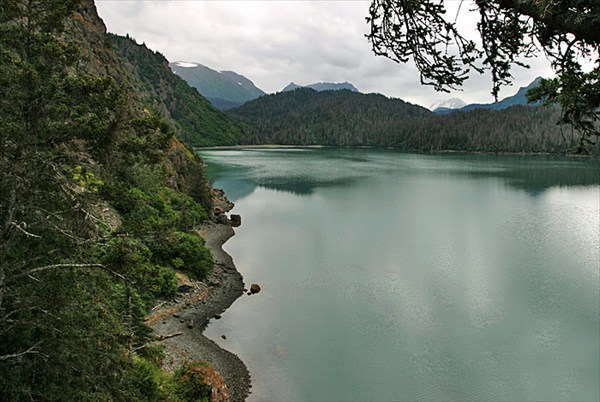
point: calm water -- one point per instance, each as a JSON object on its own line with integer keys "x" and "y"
{"x": 393, "y": 276}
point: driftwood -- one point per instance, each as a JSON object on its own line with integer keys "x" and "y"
{"x": 159, "y": 305}
{"x": 163, "y": 337}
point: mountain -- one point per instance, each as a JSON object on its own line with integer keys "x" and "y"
{"x": 322, "y": 86}
{"x": 447, "y": 106}
{"x": 517, "y": 99}
{"x": 344, "y": 118}
{"x": 224, "y": 89}
{"x": 197, "y": 121}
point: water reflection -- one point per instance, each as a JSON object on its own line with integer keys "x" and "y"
{"x": 300, "y": 171}
{"x": 390, "y": 276}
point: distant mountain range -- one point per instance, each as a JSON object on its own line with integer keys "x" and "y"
{"x": 322, "y": 86}
{"x": 519, "y": 98}
{"x": 224, "y": 89}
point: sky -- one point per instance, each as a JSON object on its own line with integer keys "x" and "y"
{"x": 273, "y": 43}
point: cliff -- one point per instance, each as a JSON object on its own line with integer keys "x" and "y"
{"x": 100, "y": 204}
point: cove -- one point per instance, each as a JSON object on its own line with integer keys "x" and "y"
{"x": 397, "y": 276}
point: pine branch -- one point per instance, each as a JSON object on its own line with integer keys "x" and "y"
{"x": 29, "y": 351}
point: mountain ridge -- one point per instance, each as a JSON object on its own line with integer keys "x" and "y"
{"x": 519, "y": 98}
{"x": 225, "y": 89}
{"x": 322, "y": 86}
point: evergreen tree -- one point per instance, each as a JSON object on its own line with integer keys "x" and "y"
{"x": 75, "y": 281}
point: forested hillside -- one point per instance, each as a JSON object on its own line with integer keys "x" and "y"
{"x": 197, "y": 121}
{"x": 98, "y": 203}
{"x": 344, "y": 118}
{"x": 224, "y": 89}
{"x": 519, "y": 129}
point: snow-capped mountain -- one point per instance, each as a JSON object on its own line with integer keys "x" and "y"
{"x": 452, "y": 103}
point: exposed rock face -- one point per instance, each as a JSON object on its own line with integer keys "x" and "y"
{"x": 220, "y": 206}
{"x": 254, "y": 288}
{"x": 222, "y": 218}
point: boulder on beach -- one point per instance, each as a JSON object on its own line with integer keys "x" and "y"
{"x": 254, "y": 288}
{"x": 184, "y": 288}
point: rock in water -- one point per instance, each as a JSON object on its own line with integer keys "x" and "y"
{"x": 255, "y": 288}
{"x": 236, "y": 220}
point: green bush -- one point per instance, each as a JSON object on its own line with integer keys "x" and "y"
{"x": 184, "y": 251}
{"x": 190, "y": 382}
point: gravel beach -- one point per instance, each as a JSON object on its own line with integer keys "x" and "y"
{"x": 182, "y": 320}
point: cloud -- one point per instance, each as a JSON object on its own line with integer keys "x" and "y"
{"x": 275, "y": 42}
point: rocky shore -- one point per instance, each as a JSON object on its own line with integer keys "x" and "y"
{"x": 178, "y": 323}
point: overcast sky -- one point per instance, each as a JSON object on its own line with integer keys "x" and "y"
{"x": 273, "y": 43}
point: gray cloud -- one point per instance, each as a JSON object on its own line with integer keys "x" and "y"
{"x": 275, "y": 42}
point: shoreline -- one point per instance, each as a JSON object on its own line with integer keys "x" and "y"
{"x": 178, "y": 324}
{"x": 411, "y": 151}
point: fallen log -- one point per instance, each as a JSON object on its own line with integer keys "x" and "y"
{"x": 163, "y": 337}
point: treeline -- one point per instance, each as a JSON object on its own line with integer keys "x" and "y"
{"x": 518, "y": 129}
{"x": 341, "y": 118}
{"x": 98, "y": 204}
{"x": 344, "y": 118}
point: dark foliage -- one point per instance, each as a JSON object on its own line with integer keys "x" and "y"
{"x": 511, "y": 31}
{"x": 343, "y": 118}
{"x": 94, "y": 189}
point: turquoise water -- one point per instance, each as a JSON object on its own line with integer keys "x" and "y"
{"x": 394, "y": 276}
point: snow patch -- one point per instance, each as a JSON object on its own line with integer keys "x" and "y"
{"x": 185, "y": 64}
{"x": 453, "y": 103}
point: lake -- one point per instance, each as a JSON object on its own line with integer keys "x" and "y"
{"x": 399, "y": 276}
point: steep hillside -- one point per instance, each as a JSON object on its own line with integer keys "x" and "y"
{"x": 304, "y": 116}
{"x": 224, "y": 89}
{"x": 99, "y": 202}
{"x": 198, "y": 123}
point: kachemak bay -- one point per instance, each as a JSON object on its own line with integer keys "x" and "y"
{"x": 398, "y": 276}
